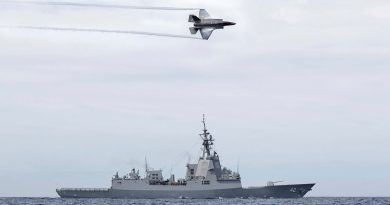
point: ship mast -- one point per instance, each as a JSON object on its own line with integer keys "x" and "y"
{"x": 208, "y": 140}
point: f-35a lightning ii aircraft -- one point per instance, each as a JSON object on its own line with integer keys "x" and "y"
{"x": 206, "y": 24}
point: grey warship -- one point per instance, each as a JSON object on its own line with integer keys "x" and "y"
{"x": 206, "y": 179}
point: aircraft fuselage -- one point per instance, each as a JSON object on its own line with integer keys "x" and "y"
{"x": 213, "y": 23}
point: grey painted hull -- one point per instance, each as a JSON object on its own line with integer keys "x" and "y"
{"x": 280, "y": 191}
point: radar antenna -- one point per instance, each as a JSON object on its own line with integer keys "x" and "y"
{"x": 208, "y": 140}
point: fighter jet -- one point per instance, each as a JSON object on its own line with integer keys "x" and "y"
{"x": 206, "y": 24}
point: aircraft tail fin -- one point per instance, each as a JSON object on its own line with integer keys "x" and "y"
{"x": 193, "y": 18}
{"x": 194, "y": 30}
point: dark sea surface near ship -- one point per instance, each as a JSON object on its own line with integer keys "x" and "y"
{"x": 304, "y": 201}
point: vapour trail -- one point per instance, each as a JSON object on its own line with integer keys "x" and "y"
{"x": 98, "y": 5}
{"x": 100, "y": 31}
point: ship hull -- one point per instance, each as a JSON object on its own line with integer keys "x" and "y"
{"x": 280, "y": 191}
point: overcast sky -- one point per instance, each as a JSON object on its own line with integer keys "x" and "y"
{"x": 297, "y": 91}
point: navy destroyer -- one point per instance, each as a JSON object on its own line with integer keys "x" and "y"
{"x": 206, "y": 179}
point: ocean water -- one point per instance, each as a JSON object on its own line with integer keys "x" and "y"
{"x": 304, "y": 201}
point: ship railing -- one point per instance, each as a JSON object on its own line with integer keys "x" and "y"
{"x": 84, "y": 189}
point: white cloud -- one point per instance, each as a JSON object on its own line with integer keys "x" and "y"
{"x": 381, "y": 11}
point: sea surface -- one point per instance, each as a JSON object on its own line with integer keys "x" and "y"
{"x": 304, "y": 201}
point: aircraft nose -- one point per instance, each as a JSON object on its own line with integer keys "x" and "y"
{"x": 231, "y": 23}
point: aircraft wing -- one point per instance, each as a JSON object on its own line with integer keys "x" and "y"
{"x": 206, "y": 33}
{"x": 203, "y": 14}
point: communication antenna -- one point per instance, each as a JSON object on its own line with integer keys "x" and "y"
{"x": 208, "y": 140}
{"x": 146, "y": 166}
{"x": 238, "y": 166}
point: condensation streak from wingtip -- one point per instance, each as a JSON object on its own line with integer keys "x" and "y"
{"x": 99, "y": 5}
{"x": 101, "y": 31}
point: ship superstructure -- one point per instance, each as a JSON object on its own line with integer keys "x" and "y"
{"x": 205, "y": 179}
